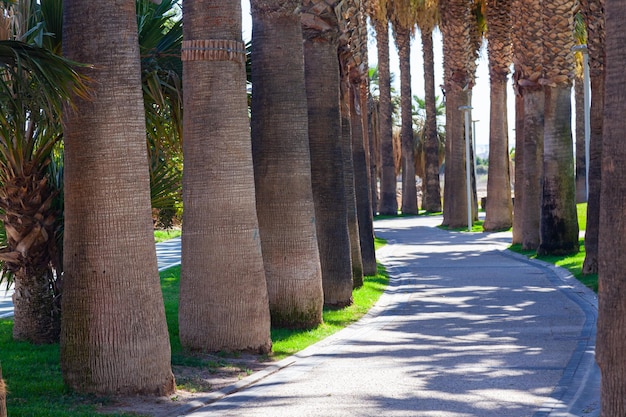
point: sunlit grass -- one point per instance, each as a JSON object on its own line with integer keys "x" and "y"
{"x": 163, "y": 235}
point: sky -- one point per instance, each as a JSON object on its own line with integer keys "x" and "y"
{"x": 480, "y": 94}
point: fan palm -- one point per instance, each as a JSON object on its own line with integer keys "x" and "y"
{"x": 34, "y": 86}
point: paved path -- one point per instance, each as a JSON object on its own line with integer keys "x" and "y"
{"x": 465, "y": 329}
{"x": 168, "y": 254}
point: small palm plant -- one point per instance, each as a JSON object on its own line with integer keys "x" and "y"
{"x": 35, "y": 85}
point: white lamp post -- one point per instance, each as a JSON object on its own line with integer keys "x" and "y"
{"x": 466, "y": 110}
{"x": 587, "y": 100}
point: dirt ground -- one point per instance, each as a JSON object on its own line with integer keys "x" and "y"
{"x": 197, "y": 383}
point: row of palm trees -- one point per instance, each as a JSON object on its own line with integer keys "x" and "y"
{"x": 264, "y": 241}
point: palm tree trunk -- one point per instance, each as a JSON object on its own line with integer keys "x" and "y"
{"x": 518, "y": 205}
{"x": 360, "y": 145}
{"x": 373, "y": 133}
{"x": 532, "y": 171}
{"x": 282, "y": 163}
{"x": 114, "y": 337}
{"x": 581, "y": 170}
{"x": 388, "y": 204}
{"x": 409, "y": 188}
{"x": 499, "y": 208}
{"x": 322, "y": 87}
{"x": 431, "y": 199}
{"x": 593, "y": 10}
{"x": 223, "y": 293}
{"x": 610, "y": 346}
{"x": 348, "y": 165}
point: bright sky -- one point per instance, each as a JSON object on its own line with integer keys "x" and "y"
{"x": 480, "y": 99}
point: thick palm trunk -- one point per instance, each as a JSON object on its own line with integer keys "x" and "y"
{"x": 373, "y": 132}
{"x": 593, "y": 10}
{"x": 409, "y": 188}
{"x": 499, "y": 208}
{"x": 114, "y": 337}
{"x": 322, "y": 87}
{"x": 388, "y": 204}
{"x": 360, "y": 142}
{"x": 610, "y": 345}
{"x": 223, "y": 293}
{"x": 431, "y": 199}
{"x": 532, "y": 171}
{"x": 282, "y": 162}
{"x": 559, "y": 224}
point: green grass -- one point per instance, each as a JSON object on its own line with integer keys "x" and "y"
{"x": 34, "y": 381}
{"x": 33, "y": 374}
{"x": 573, "y": 263}
{"x": 162, "y": 235}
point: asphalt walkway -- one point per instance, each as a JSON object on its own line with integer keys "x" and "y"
{"x": 466, "y": 328}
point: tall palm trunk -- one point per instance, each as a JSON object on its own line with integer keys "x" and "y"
{"x": 409, "y": 188}
{"x": 431, "y": 199}
{"x": 593, "y": 11}
{"x": 114, "y": 337}
{"x": 518, "y": 189}
{"x": 360, "y": 155}
{"x": 282, "y": 163}
{"x": 388, "y": 203}
{"x": 457, "y": 44}
{"x": 322, "y": 77}
{"x": 610, "y": 345}
{"x": 223, "y": 293}
{"x": 527, "y": 46}
{"x": 581, "y": 157}
{"x": 499, "y": 206}
{"x": 559, "y": 220}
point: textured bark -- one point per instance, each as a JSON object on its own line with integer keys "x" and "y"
{"x": 409, "y": 187}
{"x": 388, "y": 203}
{"x": 282, "y": 162}
{"x": 348, "y": 165}
{"x": 519, "y": 174}
{"x": 611, "y": 337}
{"x": 114, "y": 337}
{"x": 431, "y": 198}
{"x": 322, "y": 87}
{"x": 361, "y": 177}
{"x": 374, "y": 150}
{"x": 499, "y": 206}
{"x": 457, "y": 47}
{"x": 593, "y": 10}
{"x": 223, "y": 292}
{"x": 527, "y": 36}
{"x": 581, "y": 163}
{"x": 559, "y": 222}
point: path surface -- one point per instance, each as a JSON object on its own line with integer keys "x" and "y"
{"x": 168, "y": 254}
{"x": 465, "y": 329}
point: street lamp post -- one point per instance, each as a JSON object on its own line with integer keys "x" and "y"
{"x": 587, "y": 100}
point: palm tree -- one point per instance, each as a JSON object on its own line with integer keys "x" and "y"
{"x": 559, "y": 221}
{"x": 114, "y": 336}
{"x": 427, "y": 20}
{"x": 35, "y": 84}
{"x": 610, "y": 349}
{"x": 280, "y": 148}
{"x": 499, "y": 206}
{"x": 593, "y": 11}
{"x": 527, "y": 37}
{"x": 223, "y": 292}
{"x": 388, "y": 203}
{"x": 321, "y": 33}
{"x": 456, "y": 27}
{"x": 580, "y": 35}
{"x": 402, "y": 15}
